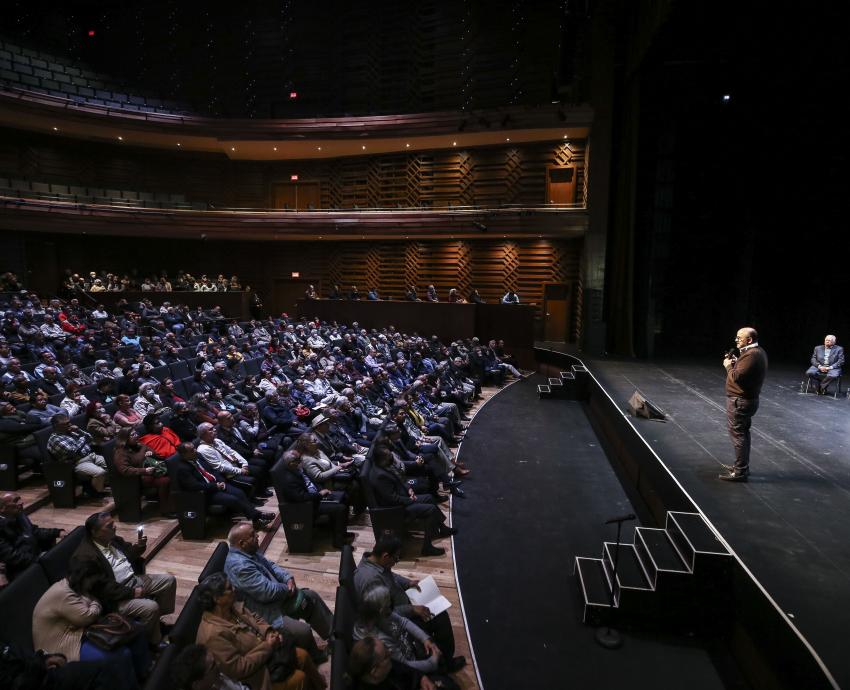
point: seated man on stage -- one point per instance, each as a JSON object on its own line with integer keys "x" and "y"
{"x": 827, "y": 361}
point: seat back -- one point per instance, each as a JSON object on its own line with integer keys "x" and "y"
{"x": 179, "y": 370}
{"x": 126, "y": 490}
{"x": 55, "y": 561}
{"x": 8, "y": 468}
{"x": 160, "y": 677}
{"x": 17, "y": 602}
{"x": 185, "y": 629}
{"x": 191, "y": 506}
{"x": 297, "y": 520}
{"x": 344, "y": 615}
{"x": 347, "y": 566}
{"x": 160, "y": 373}
{"x": 216, "y": 562}
{"x": 340, "y": 680}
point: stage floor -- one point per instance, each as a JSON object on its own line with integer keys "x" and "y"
{"x": 790, "y": 524}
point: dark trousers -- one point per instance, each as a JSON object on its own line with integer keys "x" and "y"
{"x": 235, "y": 501}
{"x": 338, "y": 514}
{"x": 440, "y": 630}
{"x": 425, "y": 509}
{"x": 822, "y": 379}
{"x": 739, "y": 416}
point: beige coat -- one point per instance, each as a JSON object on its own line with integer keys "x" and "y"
{"x": 239, "y": 651}
{"x": 60, "y": 618}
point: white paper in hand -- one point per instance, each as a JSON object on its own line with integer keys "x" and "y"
{"x": 429, "y": 596}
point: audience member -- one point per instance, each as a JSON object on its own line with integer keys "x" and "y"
{"x": 245, "y": 647}
{"x": 270, "y": 591}
{"x": 194, "y": 474}
{"x": 21, "y": 542}
{"x": 71, "y": 605}
{"x": 70, "y": 444}
{"x": 123, "y": 585}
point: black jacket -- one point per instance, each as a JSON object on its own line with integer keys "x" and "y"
{"x": 109, "y": 592}
{"x": 21, "y": 543}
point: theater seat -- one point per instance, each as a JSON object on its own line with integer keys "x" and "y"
{"x": 340, "y": 680}
{"x": 185, "y": 628}
{"x": 191, "y": 506}
{"x": 160, "y": 677}
{"x": 216, "y": 562}
{"x": 17, "y": 602}
{"x": 344, "y": 615}
{"x": 55, "y": 561}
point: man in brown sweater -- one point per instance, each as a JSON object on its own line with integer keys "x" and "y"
{"x": 744, "y": 378}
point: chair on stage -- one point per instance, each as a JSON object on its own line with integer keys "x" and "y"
{"x": 807, "y": 383}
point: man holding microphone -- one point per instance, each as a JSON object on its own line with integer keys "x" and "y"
{"x": 744, "y": 378}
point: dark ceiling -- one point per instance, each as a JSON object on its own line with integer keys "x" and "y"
{"x": 339, "y": 57}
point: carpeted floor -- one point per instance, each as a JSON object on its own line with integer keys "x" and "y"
{"x": 541, "y": 492}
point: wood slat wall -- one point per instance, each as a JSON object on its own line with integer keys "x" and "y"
{"x": 491, "y": 265}
{"x": 483, "y": 177}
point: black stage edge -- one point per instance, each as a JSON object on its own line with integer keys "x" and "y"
{"x": 788, "y": 527}
{"x": 540, "y": 493}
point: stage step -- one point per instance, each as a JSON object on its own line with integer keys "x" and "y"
{"x": 567, "y": 376}
{"x": 630, "y": 571}
{"x": 658, "y": 554}
{"x": 544, "y": 391}
{"x": 694, "y": 539}
{"x": 594, "y": 586}
{"x": 672, "y": 576}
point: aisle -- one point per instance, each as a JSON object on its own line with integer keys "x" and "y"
{"x": 543, "y": 489}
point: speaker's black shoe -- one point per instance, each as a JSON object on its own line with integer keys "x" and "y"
{"x": 446, "y": 531}
{"x": 734, "y": 476}
{"x": 455, "y": 491}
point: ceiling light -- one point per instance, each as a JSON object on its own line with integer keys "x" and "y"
{"x": 232, "y": 148}
{"x": 318, "y": 148}
{"x": 406, "y": 145}
{"x": 363, "y": 147}
{"x": 55, "y": 129}
{"x": 508, "y": 139}
{"x": 179, "y": 144}
{"x": 275, "y": 148}
{"x": 454, "y": 143}
{"x": 120, "y": 138}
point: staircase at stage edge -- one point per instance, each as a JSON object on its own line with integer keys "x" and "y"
{"x": 568, "y": 385}
{"x": 676, "y": 578}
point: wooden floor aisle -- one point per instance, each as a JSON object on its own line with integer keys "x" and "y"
{"x": 317, "y": 570}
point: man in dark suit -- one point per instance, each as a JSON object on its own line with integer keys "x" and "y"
{"x": 21, "y": 542}
{"x": 296, "y": 487}
{"x": 194, "y": 474}
{"x": 390, "y": 490}
{"x": 124, "y": 586}
{"x": 827, "y": 362}
{"x": 744, "y": 378}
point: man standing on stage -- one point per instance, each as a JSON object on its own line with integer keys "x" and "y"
{"x": 744, "y": 378}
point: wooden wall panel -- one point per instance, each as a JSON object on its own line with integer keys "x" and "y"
{"x": 459, "y": 177}
{"x": 490, "y": 265}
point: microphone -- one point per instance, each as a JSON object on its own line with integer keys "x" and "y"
{"x": 621, "y": 518}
